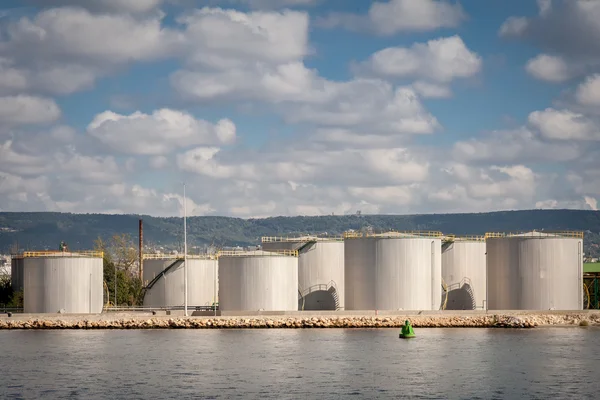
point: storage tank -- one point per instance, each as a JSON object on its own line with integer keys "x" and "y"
{"x": 16, "y": 272}
{"x": 69, "y": 282}
{"x": 464, "y": 272}
{"x": 165, "y": 285}
{"x": 258, "y": 280}
{"x": 535, "y": 271}
{"x": 320, "y": 269}
{"x": 393, "y": 271}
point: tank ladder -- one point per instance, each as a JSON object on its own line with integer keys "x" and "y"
{"x": 160, "y": 275}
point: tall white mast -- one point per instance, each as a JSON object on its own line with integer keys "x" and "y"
{"x": 185, "y": 276}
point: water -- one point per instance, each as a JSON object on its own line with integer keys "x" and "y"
{"x": 298, "y": 364}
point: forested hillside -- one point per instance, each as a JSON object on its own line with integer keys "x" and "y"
{"x": 46, "y": 230}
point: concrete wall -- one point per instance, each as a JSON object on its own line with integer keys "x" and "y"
{"x": 72, "y": 284}
{"x": 256, "y": 282}
{"x": 533, "y": 273}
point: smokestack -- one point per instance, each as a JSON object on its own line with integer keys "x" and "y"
{"x": 141, "y": 234}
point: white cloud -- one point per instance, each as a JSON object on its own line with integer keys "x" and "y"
{"x": 588, "y": 92}
{"x": 354, "y": 148}
{"x": 431, "y": 90}
{"x": 159, "y": 162}
{"x": 518, "y": 145}
{"x": 513, "y": 26}
{"x": 369, "y": 104}
{"x": 56, "y": 33}
{"x": 218, "y": 38}
{"x": 591, "y": 202}
{"x": 159, "y": 133}
{"x": 568, "y": 30}
{"x": 303, "y": 165}
{"x": 388, "y": 18}
{"x": 23, "y": 110}
{"x": 116, "y": 6}
{"x": 548, "y": 68}
{"x": 441, "y": 60}
{"x": 564, "y": 125}
{"x": 271, "y": 4}
{"x": 50, "y": 53}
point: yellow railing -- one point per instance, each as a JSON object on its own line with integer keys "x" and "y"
{"x": 257, "y": 253}
{"x": 271, "y": 239}
{"x": 178, "y": 256}
{"x": 536, "y": 234}
{"x": 56, "y": 253}
{"x": 392, "y": 233}
{"x": 464, "y": 238}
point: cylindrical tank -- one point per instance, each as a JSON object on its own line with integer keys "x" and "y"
{"x": 16, "y": 272}
{"x": 258, "y": 281}
{"x": 63, "y": 282}
{"x": 167, "y": 289}
{"x": 464, "y": 272}
{"x": 535, "y": 271}
{"x": 393, "y": 271}
{"x": 320, "y": 270}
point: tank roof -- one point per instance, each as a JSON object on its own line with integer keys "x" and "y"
{"x": 305, "y": 238}
{"x": 465, "y": 238}
{"x": 57, "y": 253}
{"x": 394, "y": 234}
{"x": 178, "y": 256}
{"x": 258, "y": 253}
{"x": 536, "y": 234}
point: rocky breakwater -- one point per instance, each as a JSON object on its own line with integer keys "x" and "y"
{"x": 265, "y": 322}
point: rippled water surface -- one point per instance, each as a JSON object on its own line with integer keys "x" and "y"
{"x": 317, "y": 363}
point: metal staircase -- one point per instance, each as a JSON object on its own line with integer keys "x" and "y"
{"x": 330, "y": 287}
{"x": 161, "y": 274}
{"x": 465, "y": 284}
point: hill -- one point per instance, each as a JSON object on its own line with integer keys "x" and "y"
{"x": 44, "y": 230}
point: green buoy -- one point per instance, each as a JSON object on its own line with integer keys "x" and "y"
{"x": 407, "y": 331}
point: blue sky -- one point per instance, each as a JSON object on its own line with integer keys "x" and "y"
{"x": 286, "y": 107}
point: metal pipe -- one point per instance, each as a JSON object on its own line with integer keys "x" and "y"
{"x": 185, "y": 276}
{"x": 215, "y": 292}
{"x": 141, "y": 266}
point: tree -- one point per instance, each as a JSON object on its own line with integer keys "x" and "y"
{"x": 124, "y": 252}
{"x": 120, "y": 263}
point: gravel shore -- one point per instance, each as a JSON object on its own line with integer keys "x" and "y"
{"x": 149, "y": 321}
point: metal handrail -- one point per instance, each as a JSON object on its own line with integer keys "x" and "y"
{"x": 464, "y": 238}
{"x": 460, "y": 284}
{"x": 587, "y": 293}
{"x": 254, "y": 253}
{"x": 271, "y": 239}
{"x": 445, "y": 289}
{"x": 58, "y": 253}
{"x": 536, "y": 234}
{"x": 393, "y": 233}
{"x": 178, "y": 256}
{"x": 319, "y": 286}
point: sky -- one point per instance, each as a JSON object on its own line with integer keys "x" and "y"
{"x": 299, "y": 107}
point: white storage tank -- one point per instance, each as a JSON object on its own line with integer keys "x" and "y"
{"x": 16, "y": 272}
{"x": 464, "y": 272}
{"x": 165, "y": 285}
{"x": 68, "y": 282}
{"x": 535, "y": 271}
{"x": 320, "y": 269}
{"x": 393, "y": 271}
{"x": 258, "y": 280}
